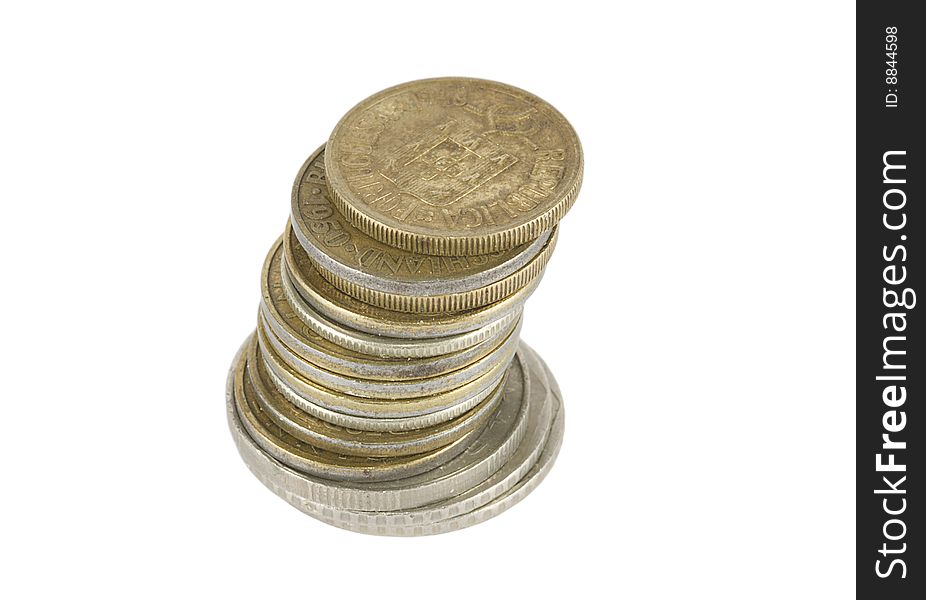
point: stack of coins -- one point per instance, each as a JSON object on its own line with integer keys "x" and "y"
{"x": 386, "y": 389}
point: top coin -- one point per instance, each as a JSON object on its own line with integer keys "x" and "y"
{"x": 454, "y": 166}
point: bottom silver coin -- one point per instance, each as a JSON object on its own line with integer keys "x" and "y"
{"x": 524, "y": 486}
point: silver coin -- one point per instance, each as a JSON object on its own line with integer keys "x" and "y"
{"x": 423, "y": 519}
{"x": 455, "y": 401}
{"x": 339, "y": 307}
{"x": 525, "y": 486}
{"x": 248, "y": 417}
{"x": 483, "y": 457}
{"x": 309, "y": 351}
{"x": 321, "y": 434}
{"x": 377, "y": 345}
{"x": 376, "y": 388}
{"x": 322, "y": 353}
{"x": 554, "y": 385}
{"x": 310, "y": 406}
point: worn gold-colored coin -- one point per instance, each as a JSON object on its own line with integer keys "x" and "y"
{"x": 345, "y": 309}
{"x": 398, "y": 279}
{"x": 334, "y": 244}
{"x": 382, "y": 346}
{"x": 322, "y": 353}
{"x": 454, "y": 166}
{"x": 453, "y": 302}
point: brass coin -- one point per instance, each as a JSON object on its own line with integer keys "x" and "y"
{"x": 321, "y": 434}
{"x": 322, "y": 353}
{"x": 461, "y": 301}
{"x": 382, "y": 346}
{"x": 304, "y": 458}
{"x": 454, "y": 166}
{"x": 340, "y": 307}
{"x": 397, "y": 279}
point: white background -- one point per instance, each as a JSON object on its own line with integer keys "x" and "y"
{"x": 698, "y": 312}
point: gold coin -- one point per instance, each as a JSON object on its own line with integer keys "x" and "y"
{"x": 382, "y": 346}
{"x": 309, "y": 346}
{"x": 341, "y": 252}
{"x": 454, "y": 166}
{"x": 345, "y": 309}
{"x": 457, "y": 302}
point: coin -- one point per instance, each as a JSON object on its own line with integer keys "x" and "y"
{"x": 485, "y": 456}
{"x": 454, "y": 302}
{"x": 310, "y": 406}
{"x": 396, "y": 279}
{"x": 340, "y": 307}
{"x": 335, "y": 245}
{"x": 524, "y": 486}
{"x": 386, "y": 347}
{"x": 386, "y": 389}
{"x": 309, "y": 347}
{"x": 305, "y": 458}
{"x": 426, "y": 410}
{"x": 454, "y": 166}
{"x": 321, "y": 434}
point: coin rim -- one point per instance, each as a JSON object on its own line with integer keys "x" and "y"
{"x": 458, "y": 301}
{"x": 325, "y": 354}
{"x": 379, "y": 388}
{"x": 383, "y": 346}
{"x": 449, "y": 402}
{"x": 323, "y": 296}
